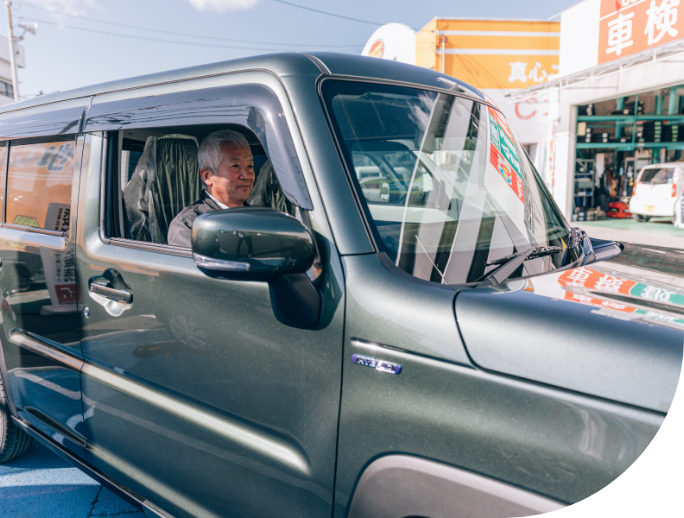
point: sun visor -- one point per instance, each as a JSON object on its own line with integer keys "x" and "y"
{"x": 254, "y": 106}
{"x": 62, "y": 118}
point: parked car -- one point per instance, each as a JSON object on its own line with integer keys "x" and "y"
{"x": 657, "y": 191}
{"x": 401, "y": 324}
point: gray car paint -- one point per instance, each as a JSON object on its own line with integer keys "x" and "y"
{"x": 573, "y": 346}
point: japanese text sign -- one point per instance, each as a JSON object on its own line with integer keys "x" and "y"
{"x": 630, "y": 26}
{"x": 506, "y": 171}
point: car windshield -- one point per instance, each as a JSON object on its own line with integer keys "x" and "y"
{"x": 658, "y": 176}
{"x": 446, "y": 188}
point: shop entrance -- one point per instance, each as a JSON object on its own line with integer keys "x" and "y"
{"x": 616, "y": 139}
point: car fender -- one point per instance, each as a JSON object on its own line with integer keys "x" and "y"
{"x": 395, "y": 486}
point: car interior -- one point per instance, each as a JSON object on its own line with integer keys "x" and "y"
{"x": 153, "y": 173}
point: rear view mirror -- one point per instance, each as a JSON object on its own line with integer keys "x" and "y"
{"x": 251, "y": 244}
{"x": 260, "y": 244}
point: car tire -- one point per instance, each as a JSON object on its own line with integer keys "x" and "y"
{"x": 13, "y": 441}
{"x": 636, "y": 217}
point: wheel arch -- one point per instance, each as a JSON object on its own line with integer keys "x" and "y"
{"x": 399, "y": 486}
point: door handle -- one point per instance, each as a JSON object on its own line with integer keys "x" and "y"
{"x": 111, "y": 292}
{"x": 124, "y": 296}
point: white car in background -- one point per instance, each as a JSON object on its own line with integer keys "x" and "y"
{"x": 657, "y": 191}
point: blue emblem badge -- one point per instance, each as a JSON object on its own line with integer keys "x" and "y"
{"x": 378, "y": 365}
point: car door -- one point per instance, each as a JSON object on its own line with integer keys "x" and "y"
{"x": 41, "y": 338}
{"x": 195, "y": 395}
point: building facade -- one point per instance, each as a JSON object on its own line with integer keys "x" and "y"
{"x": 617, "y": 103}
{"x": 498, "y": 57}
{"x": 6, "y": 89}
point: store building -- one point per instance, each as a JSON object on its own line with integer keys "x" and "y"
{"x": 617, "y": 103}
{"x": 496, "y": 56}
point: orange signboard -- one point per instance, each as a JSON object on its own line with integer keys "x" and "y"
{"x": 496, "y": 54}
{"x": 630, "y": 26}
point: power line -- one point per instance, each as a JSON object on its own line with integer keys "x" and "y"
{"x": 196, "y": 44}
{"x": 184, "y": 34}
{"x": 327, "y": 13}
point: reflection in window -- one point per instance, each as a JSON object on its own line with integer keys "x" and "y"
{"x": 447, "y": 189}
{"x": 39, "y": 185}
{"x": 3, "y": 172}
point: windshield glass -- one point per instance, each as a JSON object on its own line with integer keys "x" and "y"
{"x": 446, "y": 188}
{"x": 656, "y": 176}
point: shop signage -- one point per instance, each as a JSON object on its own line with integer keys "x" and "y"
{"x": 506, "y": 171}
{"x": 627, "y": 27}
{"x": 501, "y": 137}
{"x": 377, "y": 50}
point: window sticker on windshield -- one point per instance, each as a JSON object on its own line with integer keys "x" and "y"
{"x": 506, "y": 172}
{"x": 500, "y": 139}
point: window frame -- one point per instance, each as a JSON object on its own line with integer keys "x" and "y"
{"x": 42, "y": 237}
{"x": 266, "y": 118}
{"x": 107, "y": 174}
{"x": 106, "y": 198}
{"x": 253, "y": 105}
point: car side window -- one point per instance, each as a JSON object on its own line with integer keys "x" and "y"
{"x": 39, "y": 178}
{"x": 153, "y": 174}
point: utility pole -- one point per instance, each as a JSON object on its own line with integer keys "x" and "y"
{"x": 13, "y": 61}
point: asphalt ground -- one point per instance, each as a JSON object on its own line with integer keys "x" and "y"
{"x": 39, "y": 484}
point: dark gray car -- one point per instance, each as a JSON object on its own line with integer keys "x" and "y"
{"x": 402, "y": 323}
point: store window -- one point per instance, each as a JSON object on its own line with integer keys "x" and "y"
{"x": 39, "y": 185}
{"x": 6, "y": 89}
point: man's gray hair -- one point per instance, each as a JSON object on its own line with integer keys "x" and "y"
{"x": 209, "y": 154}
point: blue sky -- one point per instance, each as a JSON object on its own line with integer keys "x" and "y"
{"x": 61, "y": 57}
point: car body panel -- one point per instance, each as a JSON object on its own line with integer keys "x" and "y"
{"x": 555, "y": 443}
{"x": 596, "y": 332}
{"x": 201, "y": 367}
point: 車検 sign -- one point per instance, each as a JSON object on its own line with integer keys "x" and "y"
{"x": 630, "y": 26}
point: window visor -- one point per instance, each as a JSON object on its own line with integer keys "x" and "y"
{"x": 254, "y": 106}
{"x": 62, "y": 118}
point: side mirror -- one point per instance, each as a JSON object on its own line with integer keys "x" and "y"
{"x": 251, "y": 244}
{"x": 261, "y": 244}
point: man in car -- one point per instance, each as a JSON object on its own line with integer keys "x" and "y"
{"x": 227, "y": 169}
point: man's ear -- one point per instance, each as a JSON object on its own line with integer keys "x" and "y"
{"x": 206, "y": 175}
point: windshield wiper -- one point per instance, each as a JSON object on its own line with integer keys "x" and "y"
{"x": 511, "y": 263}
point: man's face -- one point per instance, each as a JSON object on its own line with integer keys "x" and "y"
{"x": 234, "y": 179}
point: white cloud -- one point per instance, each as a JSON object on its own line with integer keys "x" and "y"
{"x": 221, "y": 6}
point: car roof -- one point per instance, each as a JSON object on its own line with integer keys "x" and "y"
{"x": 283, "y": 65}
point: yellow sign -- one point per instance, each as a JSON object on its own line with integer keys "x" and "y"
{"x": 27, "y": 221}
{"x": 500, "y": 54}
